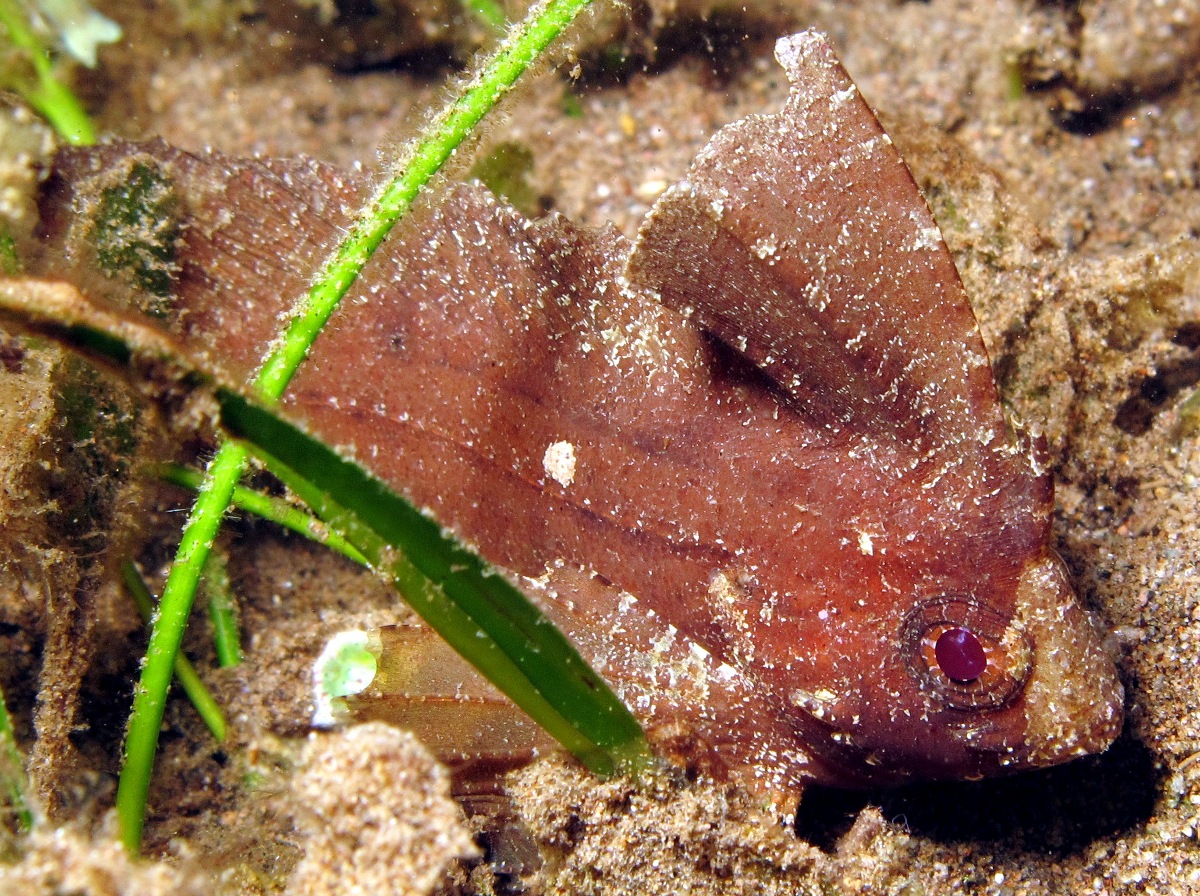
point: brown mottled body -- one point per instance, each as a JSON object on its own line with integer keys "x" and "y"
{"x": 756, "y": 463}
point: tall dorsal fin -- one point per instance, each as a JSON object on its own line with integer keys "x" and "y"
{"x": 802, "y": 241}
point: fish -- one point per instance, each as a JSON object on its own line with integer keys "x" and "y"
{"x": 754, "y": 461}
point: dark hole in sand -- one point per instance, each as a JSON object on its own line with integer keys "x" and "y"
{"x": 1149, "y": 394}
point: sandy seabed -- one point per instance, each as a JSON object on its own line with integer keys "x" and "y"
{"x": 1057, "y": 145}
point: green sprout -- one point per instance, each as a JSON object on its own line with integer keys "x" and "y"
{"x": 276, "y": 510}
{"x": 13, "y": 784}
{"x": 30, "y": 69}
{"x": 1189, "y": 414}
{"x": 10, "y": 261}
{"x": 189, "y": 680}
{"x": 571, "y": 104}
{"x": 440, "y": 139}
{"x": 489, "y": 12}
{"x": 506, "y": 172}
{"x": 222, "y": 611}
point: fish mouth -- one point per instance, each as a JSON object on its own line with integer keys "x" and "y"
{"x": 1059, "y": 698}
{"x": 1073, "y": 701}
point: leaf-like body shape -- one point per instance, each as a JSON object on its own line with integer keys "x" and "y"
{"x": 755, "y": 463}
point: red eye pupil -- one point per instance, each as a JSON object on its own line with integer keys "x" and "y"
{"x": 960, "y": 655}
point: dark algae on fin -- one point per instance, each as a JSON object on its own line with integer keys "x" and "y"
{"x": 754, "y": 463}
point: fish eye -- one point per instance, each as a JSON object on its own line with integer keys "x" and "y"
{"x": 965, "y": 654}
{"x": 960, "y": 655}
